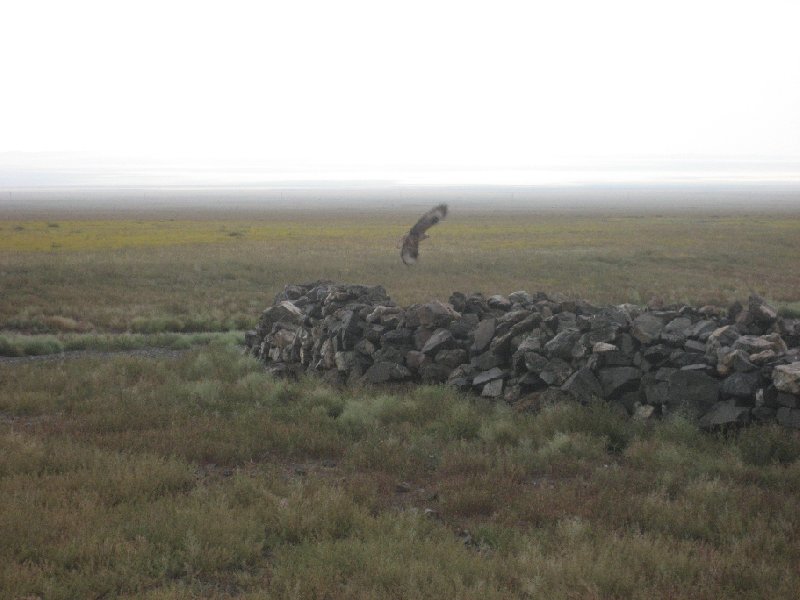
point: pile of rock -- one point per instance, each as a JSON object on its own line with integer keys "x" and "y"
{"x": 727, "y": 366}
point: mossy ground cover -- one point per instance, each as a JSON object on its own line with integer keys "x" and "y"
{"x": 201, "y": 476}
{"x": 217, "y": 271}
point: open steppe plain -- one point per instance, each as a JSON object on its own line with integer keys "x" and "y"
{"x": 195, "y": 475}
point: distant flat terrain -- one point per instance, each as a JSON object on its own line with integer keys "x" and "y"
{"x": 196, "y": 269}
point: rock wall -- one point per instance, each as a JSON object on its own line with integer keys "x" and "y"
{"x": 725, "y": 366}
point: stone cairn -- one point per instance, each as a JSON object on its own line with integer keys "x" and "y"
{"x": 724, "y": 366}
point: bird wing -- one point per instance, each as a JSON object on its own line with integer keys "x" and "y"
{"x": 429, "y": 219}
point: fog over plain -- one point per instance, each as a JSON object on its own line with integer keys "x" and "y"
{"x": 528, "y": 104}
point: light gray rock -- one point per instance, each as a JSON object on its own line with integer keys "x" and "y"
{"x": 562, "y": 344}
{"x": 647, "y": 327}
{"x": 486, "y": 376}
{"x": 493, "y": 389}
{"x": 441, "y": 339}
{"x": 498, "y": 301}
{"x": 345, "y": 360}
{"x": 483, "y": 335}
{"x": 599, "y": 347}
{"x": 451, "y": 358}
{"x": 787, "y": 378}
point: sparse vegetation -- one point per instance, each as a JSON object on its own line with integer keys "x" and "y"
{"x": 202, "y": 476}
{"x": 157, "y": 275}
{"x": 37, "y": 345}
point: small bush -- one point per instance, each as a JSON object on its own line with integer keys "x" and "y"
{"x": 768, "y": 444}
{"x": 12, "y": 345}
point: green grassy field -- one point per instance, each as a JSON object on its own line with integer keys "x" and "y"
{"x": 203, "y": 477}
{"x": 149, "y": 275}
{"x": 199, "y": 476}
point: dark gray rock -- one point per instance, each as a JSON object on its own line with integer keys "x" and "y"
{"x": 390, "y": 354}
{"x": 434, "y": 373}
{"x": 657, "y": 354}
{"x": 531, "y": 343}
{"x": 725, "y": 414}
{"x": 657, "y": 393}
{"x": 760, "y": 311}
{"x": 512, "y": 317}
{"x": 373, "y": 333}
{"x": 461, "y": 377}
{"x": 763, "y": 414}
{"x": 694, "y": 346}
{"x": 383, "y": 372}
{"x": 787, "y": 400}
{"x": 702, "y": 329}
{"x": 486, "y": 361}
{"x": 562, "y": 344}
{"x": 416, "y": 359}
{"x": 534, "y": 362}
{"x": 788, "y": 417}
{"x": 463, "y": 327}
{"x": 452, "y": 358}
{"x": 615, "y": 381}
{"x": 482, "y": 336}
{"x": 632, "y": 400}
{"x": 529, "y": 323}
{"x": 555, "y": 372}
{"x": 679, "y": 359}
{"x": 475, "y": 303}
{"x": 615, "y": 358}
{"x": 603, "y": 330}
{"x": 664, "y": 373}
{"x": 692, "y": 389}
{"x": 676, "y": 331}
{"x": 396, "y": 337}
{"x": 583, "y": 386}
{"x": 458, "y": 301}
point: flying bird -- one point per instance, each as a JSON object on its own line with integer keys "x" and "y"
{"x": 411, "y": 240}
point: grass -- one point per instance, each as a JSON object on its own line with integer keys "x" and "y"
{"x": 37, "y": 345}
{"x": 150, "y": 274}
{"x": 201, "y": 476}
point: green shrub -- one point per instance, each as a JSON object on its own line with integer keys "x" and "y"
{"x": 768, "y": 444}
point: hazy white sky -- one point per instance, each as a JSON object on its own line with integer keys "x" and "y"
{"x": 384, "y": 85}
